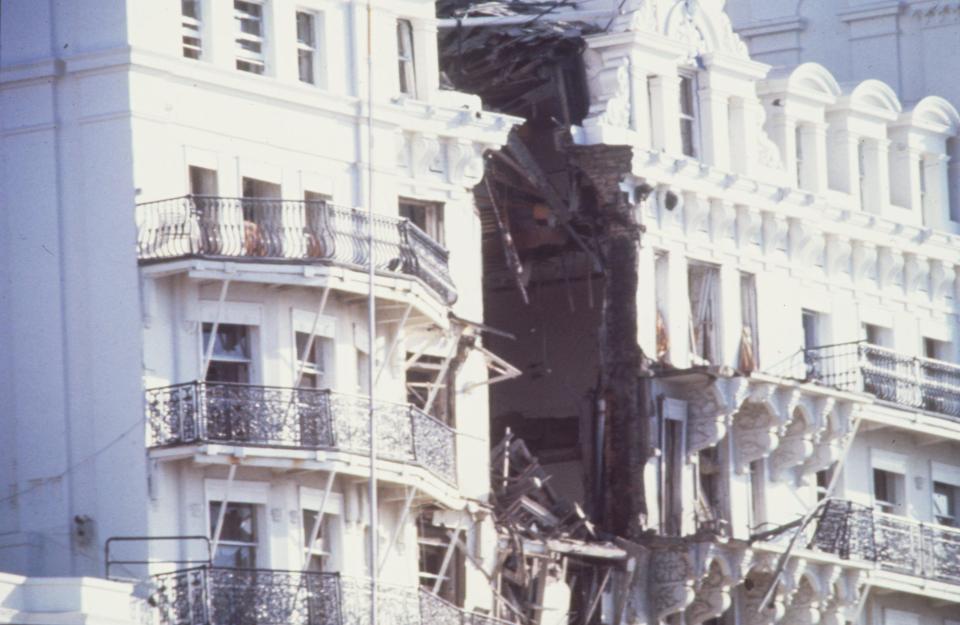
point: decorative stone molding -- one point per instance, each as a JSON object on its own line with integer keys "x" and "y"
{"x": 864, "y": 261}
{"x": 609, "y": 90}
{"x": 701, "y": 24}
{"x": 671, "y": 580}
{"x": 843, "y": 596}
{"x": 725, "y": 569}
{"x": 424, "y": 149}
{"x": 806, "y": 243}
{"x": 710, "y": 412}
{"x": 749, "y": 227}
{"x": 804, "y": 603}
{"x": 796, "y": 445}
{"x": 695, "y": 577}
{"x": 889, "y": 268}
{"x": 916, "y": 274}
{"x": 760, "y": 422}
{"x": 775, "y": 233}
{"x": 696, "y": 214}
{"x": 942, "y": 278}
{"x": 723, "y": 221}
{"x": 839, "y": 252}
{"x": 757, "y": 582}
{"x": 466, "y": 163}
{"x": 832, "y": 439}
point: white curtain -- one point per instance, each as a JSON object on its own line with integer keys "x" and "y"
{"x": 703, "y": 314}
{"x": 747, "y": 361}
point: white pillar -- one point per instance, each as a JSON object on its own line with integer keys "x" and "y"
{"x": 877, "y": 176}
{"x": 665, "y": 100}
{"x": 844, "y": 170}
{"x": 814, "y": 137}
{"x": 936, "y": 208}
{"x": 714, "y": 131}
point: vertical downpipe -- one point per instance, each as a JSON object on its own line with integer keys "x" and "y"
{"x": 371, "y": 330}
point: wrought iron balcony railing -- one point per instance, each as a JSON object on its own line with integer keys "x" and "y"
{"x": 222, "y": 596}
{"x": 898, "y": 544}
{"x": 242, "y": 414}
{"x": 909, "y": 381}
{"x": 289, "y": 231}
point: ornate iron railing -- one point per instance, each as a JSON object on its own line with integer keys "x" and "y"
{"x": 222, "y": 596}
{"x": 854, "y": 531}
{"x": 303, "y": 418}
{"x": 909, "y": 381}
{"x": 291, "y": 231}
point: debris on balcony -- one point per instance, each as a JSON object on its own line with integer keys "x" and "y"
{"x": 553, "y": 562}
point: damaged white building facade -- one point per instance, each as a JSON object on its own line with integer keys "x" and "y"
{"x": 186, "y": 368}
{"x": 187, "y": 348}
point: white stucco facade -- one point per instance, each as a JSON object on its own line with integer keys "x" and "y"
{"x": 799, "y": 230}
{"x": 115, "y": 397}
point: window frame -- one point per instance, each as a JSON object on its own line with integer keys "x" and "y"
{"x": 892, "y": 486}
{"x": 953, "y": 512}
{"x": 320, "y": 364}
{"x": 433, "y": 217}
{"x": 691, "y": 117}
{"x": 242, "y": 55}
{"x": 406, "y": 58}
{"x": 256, "y": 514}
{"x": 248, "y": 360}
{"x": 313, "y": 49}
{"x": 191, "y": 26}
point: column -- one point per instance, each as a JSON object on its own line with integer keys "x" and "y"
{"x": 678, "y": 309}
{"x": 714, "y": 131}
{"x": 936, "y": 208}
{"x": 749, "y": 116}
{"x": 640, "y": 110}
{"x": 905, "y": 174}
{"x": 844, "y": 170}
{"x": 876, "y": 188}
{"x": 665, "y": 104}
{"x": 816, "y": 161}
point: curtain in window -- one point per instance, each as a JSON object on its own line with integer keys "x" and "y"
{"x": 747, "y": 361}
{"x": 703, "y": 314}
{"x": 663, "y": 339}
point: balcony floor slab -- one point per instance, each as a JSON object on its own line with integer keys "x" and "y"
{"x": 322, "y": 461}
{"x": 391, "y": 288}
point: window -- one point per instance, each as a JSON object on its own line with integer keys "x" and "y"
{"x": 704, "y": 293}
{"x": 191, "y": 28}
{"x": 823, "y": 483}
{"x": 405, "y": 59}
{"x": 710, "y": 512}
{"x": 886, "y": 490}
{"x": 421, "y": 377}
{"x": 254, "y": 189}
{"x": 316, "y": 555}
{"x": 238, "y": 538}
{"x": 433, "y": 542}
{"x": 938, "y": 350}
{"x": 249, "y": 36}
{"x": 945, "y": 504}
{"x": 688, "y": 117}
{"x": 230, "y": 360}
{"x": 428, "y": 216}
{"x": 875, "y": 335}
{"x": 203, "y": 181}
{"x": 311, "y": 365}
{"x": 651, "y": 116}
{"x": 307, "y": 47}
{"x": 363, "y": 373}
{"x": 811, "y": 329}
